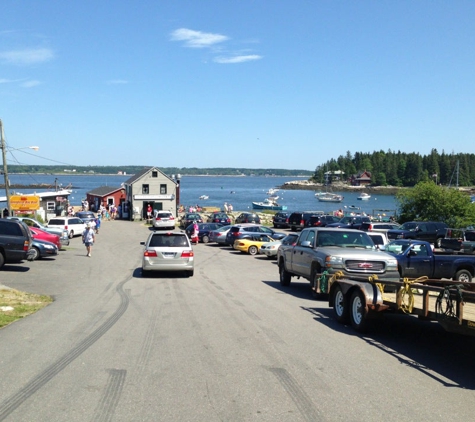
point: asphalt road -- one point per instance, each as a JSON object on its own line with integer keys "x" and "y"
{"x": 229, "y": 344}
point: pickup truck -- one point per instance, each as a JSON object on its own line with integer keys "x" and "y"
{"x": 15, "y": 241}
{"x": 416, "y": 259}
{"x": 460, "y": 240}
{"x": 320, "y": 249}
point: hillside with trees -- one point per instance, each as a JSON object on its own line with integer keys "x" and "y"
{"x": 404, "y": 169}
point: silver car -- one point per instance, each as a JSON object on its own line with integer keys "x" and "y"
{"x": 163, "y": 220}
{"x": 168, "y": 251}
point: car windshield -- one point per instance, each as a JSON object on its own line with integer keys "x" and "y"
{"x": 345, "y": 239}
{"x": 397, "y": 248}
{"x": 409, "y": 226}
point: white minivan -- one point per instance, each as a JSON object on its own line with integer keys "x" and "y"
{"x": 73, "y": 225}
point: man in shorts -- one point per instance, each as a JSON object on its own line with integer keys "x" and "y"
{"x": 88, "y": 238}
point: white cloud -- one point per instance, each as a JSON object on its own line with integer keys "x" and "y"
{"x": 197, "y": 39}
{"x": 27, "y": 57}
{"x": 30, "y": 84}
{"x": 237, "y": 59}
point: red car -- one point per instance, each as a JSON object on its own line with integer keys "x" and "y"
{"x": 42, "y": 235}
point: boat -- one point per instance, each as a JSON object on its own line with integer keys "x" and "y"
{"x": 268, "y": 204}
{"x": 364, "y": 196}
{"x": 204, "y": 197}
{"x": 271, "y": 191}
{"x": 330, "y": 197}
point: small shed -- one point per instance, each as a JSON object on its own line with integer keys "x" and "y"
{"x": 106, "y": 196}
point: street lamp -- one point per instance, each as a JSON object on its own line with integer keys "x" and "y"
{"x": 5, "y": 167}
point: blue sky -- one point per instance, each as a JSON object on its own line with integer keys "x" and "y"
{"x": 248, "y": 83}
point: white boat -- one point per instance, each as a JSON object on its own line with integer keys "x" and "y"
{"x": 204, "y": 197}
{"x": 272, "y": 191}
{"x": 330, "y": 197}
{"x": 364, "y": 196}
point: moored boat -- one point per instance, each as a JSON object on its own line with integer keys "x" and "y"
{"x": 364, "y": 196}
{"x": 329, "y": 197}
{"x": 268, "y": 204}
{"x": 204, "y": 197}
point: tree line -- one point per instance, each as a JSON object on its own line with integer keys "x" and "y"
{"x": 184, "y": 171}
{"x": 404, "y": 169}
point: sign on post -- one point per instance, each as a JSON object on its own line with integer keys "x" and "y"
{"x": 24, "y": 202}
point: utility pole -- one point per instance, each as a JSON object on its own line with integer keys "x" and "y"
{"x": 5, "y": 168}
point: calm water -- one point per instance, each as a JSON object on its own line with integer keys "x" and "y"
{"x": 238, "y": 191}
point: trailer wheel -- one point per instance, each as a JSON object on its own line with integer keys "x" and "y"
{"x": 463, "y": 276}
{"x": 285, "y": 277}
{"x": 340, "y": 305}
{"x": 358, "y": 311}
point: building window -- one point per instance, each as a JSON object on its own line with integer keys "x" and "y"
{"x": 163, "y": 189}
{"x": 154, "y": 173}
{"x": 50, "y": 206}
{"x": 145, "y": 189}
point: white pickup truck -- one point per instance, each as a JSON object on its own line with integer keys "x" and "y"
{"x": 320, "y": 249}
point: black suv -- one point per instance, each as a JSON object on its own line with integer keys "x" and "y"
{"x": 430, "y": 231}
{"x": 298, "y": 219}
{"x": 244, "y": 231}
{"x": 281, "y": 219}
{"x": 351, "y": 222}
{"x": 219, "y": 217}
{"x": 321, "y": 220}
{"x": 248, "y": 217}
{"x": 15, "y": 241}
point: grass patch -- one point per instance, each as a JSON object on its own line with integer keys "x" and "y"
{"x": 15, "y": 305}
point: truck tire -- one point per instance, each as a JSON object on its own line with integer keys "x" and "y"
{"x": 463, "y": 276}
{"x": 358, "y": 311}
{"x": 340, "y": 306}
{"x": 2, "y": 260}
{"x": 285, "y": 277}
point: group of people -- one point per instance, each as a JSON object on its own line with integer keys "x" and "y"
{"x": 228, "y": 207}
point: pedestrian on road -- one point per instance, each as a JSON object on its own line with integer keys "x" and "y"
{"x": 88, "y": 238}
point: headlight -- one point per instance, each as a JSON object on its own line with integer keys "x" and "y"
{"x": 48, "y": 247}
{"x": 391, "y": 264}
{"x": 334, "y": 261}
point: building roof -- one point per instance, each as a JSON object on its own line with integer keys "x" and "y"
{"x": 104, "y": 190}
{"x": 142, "y": 173}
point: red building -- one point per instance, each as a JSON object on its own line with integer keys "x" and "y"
{"x": 105, "y": 196}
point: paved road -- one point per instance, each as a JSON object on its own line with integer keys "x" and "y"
{"x": 229, "y": 344}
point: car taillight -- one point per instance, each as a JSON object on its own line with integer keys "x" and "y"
{"x": 172, "y": 218}
{"x": 65, "y": 227}
{"x": 287, "y": 220}
{"x": 370, "y": 227}
{"x": 302, "y": 223}
{"x": 151, "y": 253}
{"x": 157, "y": 218}
{"x": 26, "y": 245}
{"x": 187, "y": 254}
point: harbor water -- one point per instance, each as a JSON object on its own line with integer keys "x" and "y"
{"x": 240, "y": 191}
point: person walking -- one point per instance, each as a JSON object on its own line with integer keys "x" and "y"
{"x": 88, "y": 238}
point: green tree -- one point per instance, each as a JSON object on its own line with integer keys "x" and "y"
{"x": 429, "y": 202}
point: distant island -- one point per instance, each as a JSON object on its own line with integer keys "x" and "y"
{"x": 131, "y": 170}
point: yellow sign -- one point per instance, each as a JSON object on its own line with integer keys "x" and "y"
{"x": 24, "y": 202}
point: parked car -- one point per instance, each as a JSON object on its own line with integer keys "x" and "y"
{"x": 376, "y": 226}
{"x": 167, "y": 251}
{"x": 461, "y": 240}
{"x": 281, "y": 219}
{"x": 31, "y": 222}
{"x": 321, "y": 220}
{"x": 73, "y": 225}
{"x": 241, "y": 231}
{"x": 164, "y": 220}
{"x": 41, "y": 249}
{"x": 251, "y": 244}
{"x": 86, "y": 216}
{"x": 298, "y": 219}
{"x": 15, "y": 241}
{"x": 219, "y": 217}
{"x": 38, "y": 234}
{"x": 248, "y": 217}
{"x": 430, "y": 231}
{"x": 204, "y": 231}
{"x": 270, "y": 249}
{"x": 351, "y": 222}
{"x": 189, "y": 218}
{"x": 380, "y": 239}
{"x": 219, "y": 235}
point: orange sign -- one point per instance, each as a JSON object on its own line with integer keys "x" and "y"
{"x": 24, "y": 203}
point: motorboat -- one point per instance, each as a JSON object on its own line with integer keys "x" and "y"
{"x": 268, "y": 204}
{"x": 364, "y": 196}
{"x": 204, "y": 197}
{"x": 329, "y": 197}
